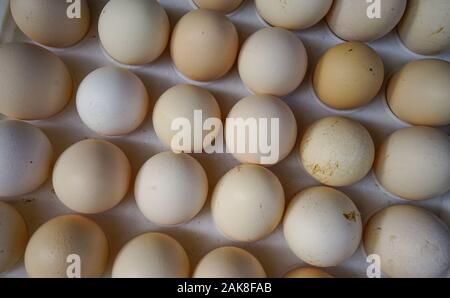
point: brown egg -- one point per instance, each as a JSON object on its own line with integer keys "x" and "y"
{"x": 35, "y": 83}
{"x": 204, "y": 45}
{"x": 307, "y": 272}
{"x": 52, "y": 23}
{"x": 51, "y": 248}
{"x": 13, "y": 236}
{"x": 225, "y": 6}
{"x": 348, "y": 76}
{"x": 419, "y": 93}
{"x": 91, "y": 176}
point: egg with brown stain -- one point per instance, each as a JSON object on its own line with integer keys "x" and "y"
{"x": 337, "y": 151}
{"x": 410, "y": 241}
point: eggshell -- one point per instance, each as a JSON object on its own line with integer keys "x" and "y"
{"x": 13, "y": 237}
{"x": 171, "y": 188}
{"x": 322, "y": 226}
{"x": 273, "y": 61}
{"x": 47, "y": 252}
{"x": 112, "y": 101}
{"x": 293, "y": 14}
{"x": 204, "y": 45}
{"x": 262, "y": 110}
{"x": 35, "y": 83}
{"x": 151, "y": 255}
{"x": 337, "y": 151}
{"x": 425, "y": 27}
{"x": 307, "y": 272}
{"x": 224, "y": 6}
{"x": 419, "y": 93}
{"x": 26, "y": 156}
{"x": 248, "y": 203}
{"x": 229, "y": 262}
{"x": 181, "y": 102}
{"x": 349, "y": 19}
{"x": 91, "y": 176}
{"x": 348, "y": 76}
{"x": 410, "y": 241}
{"x": 414, "y": 163}
{"x": 48, "y": 23}
{"x": 134, "y": 32}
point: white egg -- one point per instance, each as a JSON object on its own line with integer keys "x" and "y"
{"x": 274, "y": 125}
{"x": 91, "y": 176}
{"x": 356, "y": 20}
{"x": 414, "y": 163}
{"x": 337, "y": 151}
{"x": 293, "y": 14}
{"x": 425, "y": 27}
{"x": 112, "y": 101}
{"x": 410, "y": 241}
{"x": 187, "y": 105}
{"x": 26, "y": 156}
{"x": 229, "y": 262}
{"x": 13, "y": 236}
{"x": 134, "y": 32}
{"x": 248, "y": 203}
{"x": 273, "y": 61}
{"x": 151, "y": 255}
{"x": 419, "y": 93}
{"x": 171, "y": 188}
{"x": 322, "y": 226}
{"x": 62, "y": 241}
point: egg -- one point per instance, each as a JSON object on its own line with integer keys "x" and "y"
{"x": 337, "y": 151}
{"x": 195, "y": 106}
{"x": 419, "y": 93}
{"x": 134, "y": 32}
{"x": 171, "y": 188}
{"x": 51, "y": 248}
{"x": 204, "y": 45}
{"x": 293, "y": 14}
{"x": 414, "y": 163}
{"x": 274, "y": 124}
{"x": 322, "y": 226}
{"x": 52, "y": 23}
{"x": 356, "y": 20}
{"x": 106, "y": 95}
{"x": 13, "y": 236}
{"x": 224, "y": 6}
{"x": 229, "y": 262}
{"x": 410, "y": 241}
{"x": 425, "y": 27}
{"x": 26, "y": 156}
{"x": 307, "y": 272}
{"x": 248, "y": 203}
{"x": 151, "y": 255}
{"x": 272, "y": 61}
{"x": 348, "y": 76}
{"x": 36, "y": 84}
{"x": 91, "y": 176}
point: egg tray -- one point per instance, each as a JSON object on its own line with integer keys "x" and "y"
{"x": 200, "y": 235}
